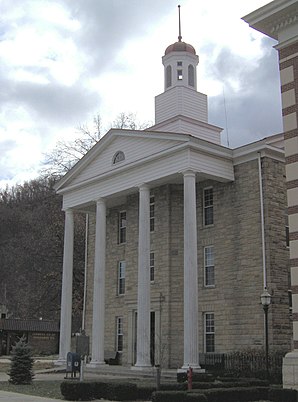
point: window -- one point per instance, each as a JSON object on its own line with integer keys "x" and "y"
{"x": 191, "y": 75}
{"x": 152, "y": 210}
{"x": 179, "y": 63}
{"x": 121, "y": 277}
{"x": 152, "y": 267}
{"x": 119, "y": 334}
{"x": 287, "y": 236}
{"x": 168, "y": 76}
{"x": 179, "y": 75}
{"x": 209, "y": 332}
{"x": 287, "y": 229}
{"x": 208, "y": 206}
{"x": 290, "y": 300}
{"x": 209, "y": 266}
{"x": 122, "y": 227}
{"x": 118, "y": 157}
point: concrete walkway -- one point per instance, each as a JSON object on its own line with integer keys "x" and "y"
{"x": 14, "y": 397}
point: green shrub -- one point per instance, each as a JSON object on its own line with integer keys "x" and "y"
{"x": 145, "y": 392}
{"x": 77, "y": 391}
{"x": 100, "y": 389}
{"x": 197, "y": 377}
{"x": 196, "y": 397}
{"x": 121, "y": 392}
{"x": 173, "y": 387}
{"x": 169, "y": 396}
{"x": 240, "y": 394}
{"x": 282, "y": 395}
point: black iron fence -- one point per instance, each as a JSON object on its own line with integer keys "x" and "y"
{"x": 246, "y": 363}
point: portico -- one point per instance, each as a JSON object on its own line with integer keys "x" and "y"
{"x": 188, "y": 177}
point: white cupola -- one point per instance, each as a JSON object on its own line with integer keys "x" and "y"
{"x": 180, "y": 65}
{"x": 181, "y": 108}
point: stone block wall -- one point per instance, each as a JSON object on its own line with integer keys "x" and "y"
{"x": 236, "y": 238}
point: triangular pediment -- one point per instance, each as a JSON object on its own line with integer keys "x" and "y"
{"x": 133, "y": 146}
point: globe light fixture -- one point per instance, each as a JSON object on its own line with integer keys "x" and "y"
{"x": 266, "y": 301}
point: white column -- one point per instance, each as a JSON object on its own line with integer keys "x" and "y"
{"x": 191, "y": 336}
{"x": 99, "y": 285}
{"x": 66, "y": 297}
{"x": 143, "y": 319}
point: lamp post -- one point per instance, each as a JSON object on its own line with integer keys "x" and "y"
{"x": 266, "y": 301}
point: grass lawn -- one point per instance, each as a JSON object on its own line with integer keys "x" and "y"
{"x": 48, "y": 389}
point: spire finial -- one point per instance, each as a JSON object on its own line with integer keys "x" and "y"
{"x": 179, "y": 37}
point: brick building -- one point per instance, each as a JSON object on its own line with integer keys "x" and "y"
{"x": 279, "y": 20}
{"x": 183, "y": 235}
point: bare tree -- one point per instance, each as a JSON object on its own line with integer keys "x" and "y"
{"x": 66, "y": 154}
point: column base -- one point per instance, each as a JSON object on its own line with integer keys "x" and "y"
{"x": 196, "y": 369}
{"x": 290, "y": 370}
{"x": 142, "y": 368}
{"x": 96, "y": 363}
{"x": 60, "y": 362}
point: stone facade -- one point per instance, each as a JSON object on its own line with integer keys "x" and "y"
{"x": 236, "y": 240}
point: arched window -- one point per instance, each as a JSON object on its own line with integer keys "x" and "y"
{"x": 191, "y": 75}
{"x": 118, "y": 157}
{"x": 168, "y": 76}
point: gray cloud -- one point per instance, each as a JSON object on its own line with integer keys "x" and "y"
{"x": 108, "y": 25}
{"x": 5, "y": 147}
{"x": 254, "y": 109}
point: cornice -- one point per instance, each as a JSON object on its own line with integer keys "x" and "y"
{"x": 274, "y": 17}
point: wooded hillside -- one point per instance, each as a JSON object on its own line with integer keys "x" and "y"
{"x": 31, "y": 251}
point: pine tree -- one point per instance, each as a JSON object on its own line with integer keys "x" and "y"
{"x": 21, "y": 363}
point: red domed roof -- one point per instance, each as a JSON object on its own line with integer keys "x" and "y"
{"x": 180, "y": 47}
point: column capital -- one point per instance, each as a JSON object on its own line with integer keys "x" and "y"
{"x": 143, "y": 187}
{"x": 68, "y": 211}
{"x": 100, "y": 201}
{"x": 188, "y": 172}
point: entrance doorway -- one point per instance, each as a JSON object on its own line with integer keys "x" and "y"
{"x": 152, "y": 338}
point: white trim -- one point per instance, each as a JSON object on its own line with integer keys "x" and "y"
{"x": 204, "y": 207}
{"x": 120, "y": 277}
{"x": 119, "y": 319}
{"x": 211, "y": 246}
{"x": 205, "y": 330}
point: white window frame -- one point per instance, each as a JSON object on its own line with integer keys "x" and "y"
{"x": 209, "y": 332}
{"x": 119, "y": 334}
{"x": 179, "y": 74}
{"x": 152, "y": 266}
{"x": 152, "y": 213}
{"x": 208, "y": 206}
{"x": 118, "y": 157}
{"x": 209, "y": 265}
{"x": 122, "y": 227}
{"x": 121, "y": 278}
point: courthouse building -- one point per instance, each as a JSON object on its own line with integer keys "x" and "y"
{"x": 183, "y": 235}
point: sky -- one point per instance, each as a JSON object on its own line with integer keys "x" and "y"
{"x": 62, "y": 62}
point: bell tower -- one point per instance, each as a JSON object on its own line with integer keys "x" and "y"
{"x": 181, "y": 108}
{"x": 180, "y": 64}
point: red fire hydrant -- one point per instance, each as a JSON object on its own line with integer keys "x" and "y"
{"x": 189, "y": 378}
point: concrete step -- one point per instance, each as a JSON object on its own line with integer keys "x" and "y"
{"x": 131, "y": 372}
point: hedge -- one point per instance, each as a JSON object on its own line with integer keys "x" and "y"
{"x": 240, "y": 394}
{"x": 282, "y": 395}
{"x": 77, "y": 391}
{"x": 177, "y": 396}
{"x": 86, "y": 391}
